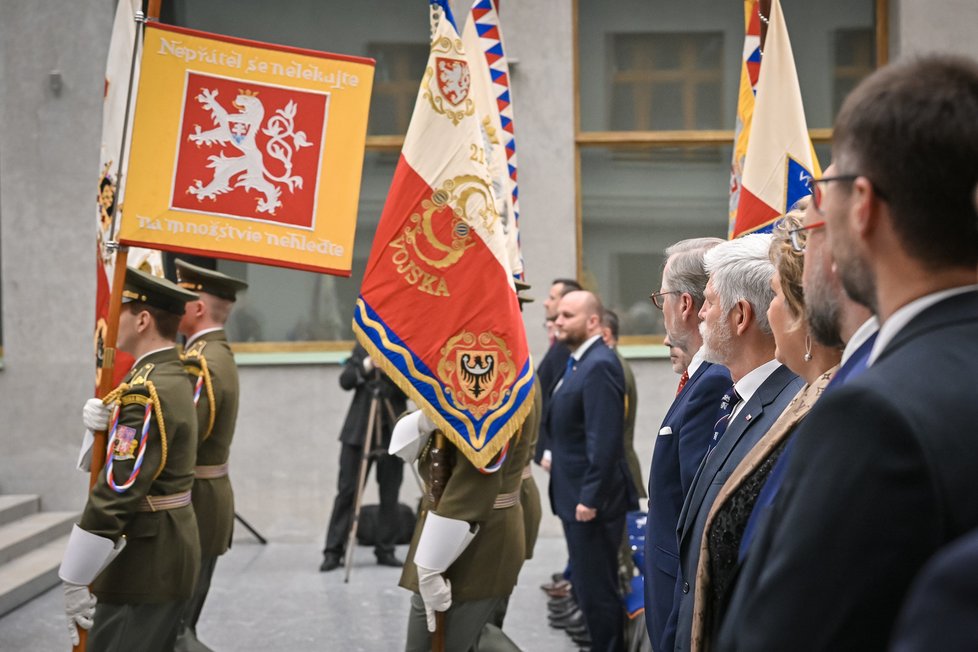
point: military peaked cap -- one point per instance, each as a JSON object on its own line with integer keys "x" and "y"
{"x": 200, "y": 279}
{"x": 155, "y": 291}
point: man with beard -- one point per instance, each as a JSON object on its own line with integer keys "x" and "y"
{"x": 590, "y": 485}
{"x": 882, "y": 471}
{"x": 686, "y": 430}
{"x": 552, "y": 365}
{"x": 833, "y": 319}
{"x": 737, "y": 335}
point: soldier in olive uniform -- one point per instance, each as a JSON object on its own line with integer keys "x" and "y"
{"x": 465, "y": 555}
{"x": 137, "y": 537}
{"x": 210, "y": 363}
{"x": 529, "y": 492}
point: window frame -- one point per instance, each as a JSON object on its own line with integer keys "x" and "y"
{"x": 650, "y": 346}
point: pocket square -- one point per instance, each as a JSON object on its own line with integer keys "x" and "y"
{"x": 665, "y": 431}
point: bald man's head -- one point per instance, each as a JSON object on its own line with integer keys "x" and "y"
{"x": 578, "y": 317}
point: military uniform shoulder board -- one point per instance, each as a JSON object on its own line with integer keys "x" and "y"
{"x": 142, "y": 374}
{"x": 195, "y": 364}
{"x": 196, "y": 350}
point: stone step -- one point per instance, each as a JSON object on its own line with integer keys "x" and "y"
{"x": 34, "y": 530}
{"x": 14, "y": 506}
{"x": 29, "y": 575}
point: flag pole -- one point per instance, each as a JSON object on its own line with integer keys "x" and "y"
{"x": 118, "y": 281}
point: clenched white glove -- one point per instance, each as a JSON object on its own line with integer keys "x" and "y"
{"x": 79, "y": 608}
{"x": 436, "y": 592}
{"x": 368, "y": 365}
{"x": 95, "y": 414}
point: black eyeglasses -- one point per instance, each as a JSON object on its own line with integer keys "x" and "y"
{"x": 657, "y": 297}
{"x": 799, "y": 236}
{"x": 816, "y": 190}
{"x": 813, "y": 187}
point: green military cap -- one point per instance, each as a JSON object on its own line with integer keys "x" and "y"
{"x": 201, "y": 279}
{"x": 155, "y": 291}
{"x": 522, "y": 286}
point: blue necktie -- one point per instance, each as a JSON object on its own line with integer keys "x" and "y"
{"x": 568, "y": 370}
{"x": 727, "y": 403}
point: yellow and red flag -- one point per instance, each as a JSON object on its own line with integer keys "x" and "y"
{"x": 117, "y": 70}
{"x": 247, "y": 151}
{"x": 779, "y": 157}
{"x": 438, "y": 309}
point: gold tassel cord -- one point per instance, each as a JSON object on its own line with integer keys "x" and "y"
{"x": 117, "y": 394}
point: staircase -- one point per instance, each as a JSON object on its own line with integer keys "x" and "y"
{"x": 31, "y": 545}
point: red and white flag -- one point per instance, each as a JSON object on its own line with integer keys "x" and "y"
{"x": 438, "y": 309}
{"x": 113, "y": 118}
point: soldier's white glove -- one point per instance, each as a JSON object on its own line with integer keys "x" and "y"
{"x": 436, "y": 592}
{"x": 410, "y": 434}
{"x": 368, "y": 365}
{"x": 79, "y": 608}
{"x": 441, "y": 542}
{"x": 95, "y": 414}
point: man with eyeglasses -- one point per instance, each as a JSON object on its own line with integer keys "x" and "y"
{"x": 834, "y": 320}
{"x": 736, "y": 334}
{"x": 883, "y": 470}
{"x": 686, "y": 429}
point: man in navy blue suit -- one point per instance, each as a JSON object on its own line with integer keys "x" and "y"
{"x": 686, "y": 430}
{"x": 590, "y": 486}
{"x": 882, "y": 471}
{"x": 552, "y": 366}
{"x": 737, "y": 335}
{"x": 941, "y": 609}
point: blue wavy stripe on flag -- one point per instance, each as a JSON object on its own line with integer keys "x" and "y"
{"x": 414, "y": 371}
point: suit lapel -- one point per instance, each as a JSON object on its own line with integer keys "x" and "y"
{"x": 748, "y": 416}
{"x": 681, "y": 397}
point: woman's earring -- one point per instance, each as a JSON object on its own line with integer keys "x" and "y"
{"x": 808, "y": 348}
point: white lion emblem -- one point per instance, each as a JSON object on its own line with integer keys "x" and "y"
{"x": 454, "y": 80}
{"x": 239, "y": 129}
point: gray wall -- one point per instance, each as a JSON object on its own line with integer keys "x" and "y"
{"x": 284, "y": 460}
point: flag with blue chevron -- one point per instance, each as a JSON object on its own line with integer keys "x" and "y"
{"x": 483, "y": 40}
{"x": 780, "y": 157}
{"x": 437, "y": 309}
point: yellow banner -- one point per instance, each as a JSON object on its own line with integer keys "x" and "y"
{"x": 247, "y": 151}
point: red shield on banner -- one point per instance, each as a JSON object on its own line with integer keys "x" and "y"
{"x": 249, "y": 150}
{"x": 453, "y": 79}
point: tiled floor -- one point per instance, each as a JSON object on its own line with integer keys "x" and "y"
{"x": 273, "y": 597}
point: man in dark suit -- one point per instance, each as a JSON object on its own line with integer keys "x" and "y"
{"x": 882, "y": 472}
{"x": 552, "y": 366}
{"x": 939, "y": 613}
{"x": 368, "y": 382}
{"x": 590, "y": 486}
{"x": 686, "y": 429}
{"x": 737, "y": 335}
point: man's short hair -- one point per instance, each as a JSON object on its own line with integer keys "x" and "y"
{"x": 166, "y": 322}
{"x": 609, "y": 320}
{"x": 567, "y": 285}
{"x": 686, "y": 272}
{"x": 911, "y": 128}
{"x": 742, "y": 269}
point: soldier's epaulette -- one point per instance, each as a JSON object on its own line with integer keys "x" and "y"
{"x": 196, "y": 350}
{"x": 142, "y": 374}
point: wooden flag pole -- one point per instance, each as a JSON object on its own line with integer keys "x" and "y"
{"x": 106, "y": 377}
